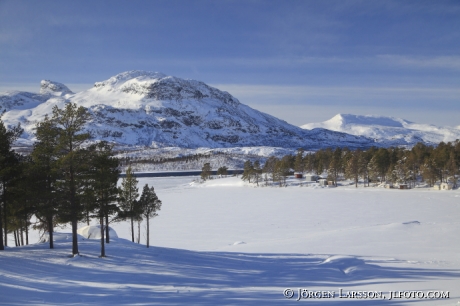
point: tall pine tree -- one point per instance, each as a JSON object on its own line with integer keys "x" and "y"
{"x": 44, "y": 173}
{"x": 72, "y": 163}
{"x": 103, "y": 176}
{"x": 128, "y": 193}
{"x": 9, "y": 162}
{"x": 150, "y": 205}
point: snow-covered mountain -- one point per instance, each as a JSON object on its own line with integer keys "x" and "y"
{"x": 388, "y": 130}
{"x": 155, "y": 110}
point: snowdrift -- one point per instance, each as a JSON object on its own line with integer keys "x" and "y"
{"x": 94, "y": 232}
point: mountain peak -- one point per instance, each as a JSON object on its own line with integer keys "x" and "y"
{"x": 369, "y": 120}
{"x": 134, "y": 75}
{"x": 55, "y": 88}
{"x": 153, "y": 109}
{"x": 387, "y": 130}
{"x": 161, "y": 87}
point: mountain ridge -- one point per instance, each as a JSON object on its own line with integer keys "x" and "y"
{"x": 155, "y": 110}
{"x": 388, "y": 131}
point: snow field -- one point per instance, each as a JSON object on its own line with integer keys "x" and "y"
{"x": 225, "y": 242}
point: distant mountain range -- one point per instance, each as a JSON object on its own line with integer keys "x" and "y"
{"x": 388, "y": 131}
{"x": 154, "y": 110}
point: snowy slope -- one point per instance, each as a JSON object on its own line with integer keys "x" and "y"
{"x": 388, "y": 130}
{"x": 155, "y": 110}
{"x": 226, "y": 243}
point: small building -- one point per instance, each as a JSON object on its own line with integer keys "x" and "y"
{"x": 403, "y": 186}
{"x": 388, "y": 185}
{"x": 298, "y": 174}
{"x": 330, "y": 183}
{"x": 322, "y": 182}
{"x": 446, "y": 186}
{"x": 311, "y": 178}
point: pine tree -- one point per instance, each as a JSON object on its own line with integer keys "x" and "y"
{"x": 429, "y": 171}
{"x": 248, "y": 171}
{"x": 72, "y": 162}
{"x": 373, "y": 169}
{"x": 282, "y": 170}
{"x": 299, "y": 164}
{"x": 352, "y": 170}
{"x": 401, "y": 174}
{"x": 392, "y": 175}
{"x": 363, "y": 165}
{"x": 222, "y": 171}
{"x": 150, "y": 205}
{"x": 128, "y": 193}
{"x": 257, "y": 171}
{"x": 309, "y": 162}
{"x": 269, "y": 168}
{"x": 9, "y": 162}
{"x": 44, "y": 174}
{"x": 103, "y": 176}
{"x": 335, "y": 165}
{"x": 206, "y": 171}
{"x": 441, "y": 156}
{"x": 383, "y": 163}
{"x": 23, "y": 204}
{"x": 452, "y": 169}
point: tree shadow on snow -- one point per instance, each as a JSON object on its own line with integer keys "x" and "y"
{"x": 132, "y": 274}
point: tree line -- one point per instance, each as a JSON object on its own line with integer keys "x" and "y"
{"x": 65, "y": 180}
{"x": 124, "y": 161}
{"x": 430, "y": 164}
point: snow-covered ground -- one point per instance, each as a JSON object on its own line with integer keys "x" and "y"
{"x": 225, "y": 242}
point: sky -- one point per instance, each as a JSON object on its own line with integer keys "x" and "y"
{"x": 301, "y": 61}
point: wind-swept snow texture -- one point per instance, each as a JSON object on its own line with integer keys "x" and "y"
{"x": 155, "y": 110}
{"x": 388, "y": 131}
{"x": 225, "y": 242}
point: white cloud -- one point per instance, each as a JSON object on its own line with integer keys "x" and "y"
{"x": 275, "y": 92}
{"x": 443, "y": 62}
{"x": 35, "y": 87}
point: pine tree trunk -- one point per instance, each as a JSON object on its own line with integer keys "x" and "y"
{"x": 15, "y": 238}
{"x": 18, "y": 242}
{"x": 148, "y": 232}
{"x": 50, "y": 231}
{"x": 22, "y": 235}
{"x": 2, "y": 246}
{"x": 138, "y": 231}
{"x": 5, "y": 216}
{"x": 27, "y": 235}
{"x": 107, "y": 237}
{"x": 132, "y": 229}
{"x": 101, "y": 222}
{"x": 74, "y": 236}
{"x": 73, "y": 204}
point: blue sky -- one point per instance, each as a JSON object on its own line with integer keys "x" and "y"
{"x": 302, "y": 61}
